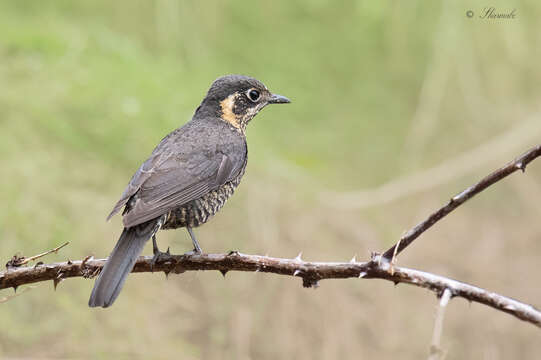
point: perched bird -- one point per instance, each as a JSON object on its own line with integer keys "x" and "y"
{"x": 187, "y": 178}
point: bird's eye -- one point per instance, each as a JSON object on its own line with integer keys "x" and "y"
{"x": 253, "y": 95}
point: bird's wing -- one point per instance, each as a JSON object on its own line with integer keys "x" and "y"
{"x": 140, "y": 176}
{"x": 170, "y": 178}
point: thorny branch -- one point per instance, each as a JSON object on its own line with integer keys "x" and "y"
{"x": 519, "y": 163}
{"x": 379, "y": 267}
{"x": 310, "y": 272}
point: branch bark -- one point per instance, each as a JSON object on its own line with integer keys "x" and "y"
{"x": 519, "y": 163}
{"x": 310, "y": 272}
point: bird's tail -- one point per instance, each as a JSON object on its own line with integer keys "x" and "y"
{"x": 120, "y": 263}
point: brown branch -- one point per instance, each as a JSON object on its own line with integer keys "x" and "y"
{"x": 310, "y": 272}
{"x": 519, "y": 163}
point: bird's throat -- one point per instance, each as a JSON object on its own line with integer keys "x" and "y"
{"x": 228, "y": 115}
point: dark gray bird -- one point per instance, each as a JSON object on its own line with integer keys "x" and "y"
{"x": 187, "y": 178}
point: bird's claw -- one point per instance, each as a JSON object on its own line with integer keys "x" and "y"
{"x": 193, "y": 252}
{"x": 159, "y": 256}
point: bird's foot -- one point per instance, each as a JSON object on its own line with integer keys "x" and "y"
{"x": 195, "y": 251}
{"x": 159, "y": 256}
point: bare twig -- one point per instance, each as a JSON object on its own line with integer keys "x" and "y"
{"x": 519, "y": 163}
{"x": 436, "y": 352}
{"x": 17, "y": 261}
{"x": 310, "y": 272}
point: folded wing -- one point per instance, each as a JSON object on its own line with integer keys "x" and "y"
{"x": 175, "y": 175}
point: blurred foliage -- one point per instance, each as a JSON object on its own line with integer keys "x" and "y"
{"x": 380, "y": 90}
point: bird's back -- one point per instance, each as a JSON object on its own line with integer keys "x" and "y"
{"x": 214, "y": 137}
{"x": 183, "y": 168}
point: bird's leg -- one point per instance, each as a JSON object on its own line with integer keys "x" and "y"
{"x": 157, "y": 253}
{"x": 155, "y": 249}
{"x": 196, "y": 247}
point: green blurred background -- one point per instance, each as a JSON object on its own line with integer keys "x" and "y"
{"x": 396, "y": 107}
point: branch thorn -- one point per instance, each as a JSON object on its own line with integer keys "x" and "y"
{"x": 57, "y": 281}
{"x": 85, "y": 260}
{"x": 307, "y": 283}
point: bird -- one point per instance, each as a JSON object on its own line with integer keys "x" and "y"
{"x": 187, "y": 179}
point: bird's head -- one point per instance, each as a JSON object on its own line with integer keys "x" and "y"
{"x": 236, "y": 99}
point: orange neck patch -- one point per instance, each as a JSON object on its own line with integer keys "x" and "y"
{"x": 228, "y": 115}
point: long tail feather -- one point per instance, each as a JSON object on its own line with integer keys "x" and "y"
{"x": 120, "y": 263}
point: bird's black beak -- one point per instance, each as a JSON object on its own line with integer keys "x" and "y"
{"x": 278, "y": 99}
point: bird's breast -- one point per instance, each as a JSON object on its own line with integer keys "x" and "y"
{"x": 199, "y": 211}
